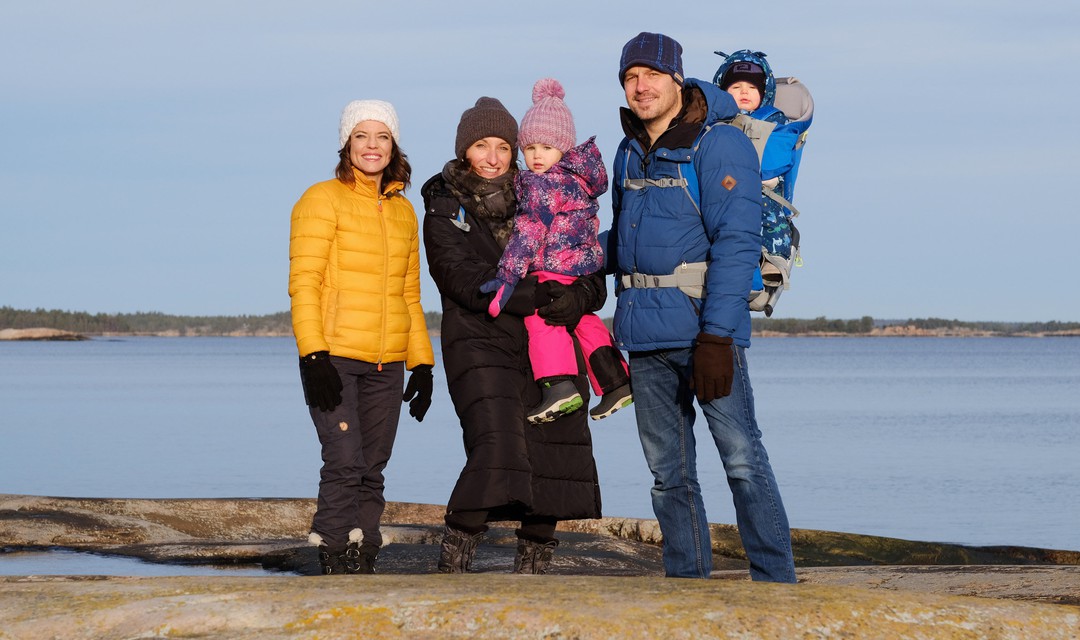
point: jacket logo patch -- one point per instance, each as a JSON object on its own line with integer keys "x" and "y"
{"x": 344, "y": 426}
{"x": 728, "y": 183}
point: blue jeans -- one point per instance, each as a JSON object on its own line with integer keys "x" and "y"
{"x": 664, "y": 405}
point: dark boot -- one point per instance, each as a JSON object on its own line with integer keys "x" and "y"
{"x": 366, "y": 555}
{"x": 534, "y": 557}
{"x": 559, "y": 397}
{"x": 339, "y": 561}
{"x": 457, "y": 550}
{"x": 611, "y": 402}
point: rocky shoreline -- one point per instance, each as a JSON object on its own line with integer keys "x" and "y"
{"x": 910, "y": 331}
{"x": 606, "y": 581}
{"x": 40, "y": 334}
{"x": 892, "y": 331}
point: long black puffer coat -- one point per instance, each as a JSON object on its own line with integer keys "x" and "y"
{"x": 513, "y": 468}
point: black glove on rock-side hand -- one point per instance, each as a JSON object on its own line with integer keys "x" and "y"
{"x": 418, "y": 391}
{"x": 322, "y": 384}
{"x": 714, "y": 367}
{"x": 569, "y": 301}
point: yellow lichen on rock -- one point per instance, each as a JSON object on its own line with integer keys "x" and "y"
{"x": 504, "y": 606}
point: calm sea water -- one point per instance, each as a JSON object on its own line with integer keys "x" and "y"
{"x": 974, "y": 441}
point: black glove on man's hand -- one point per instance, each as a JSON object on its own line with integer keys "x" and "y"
{"x": 714, "y": 367}
{"x": 569, "y": 301}
{"x": 418, "y": 391}
{"x": 322, "y": 384}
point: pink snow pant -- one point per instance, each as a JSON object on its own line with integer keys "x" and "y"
{"x": 551, "y": 349}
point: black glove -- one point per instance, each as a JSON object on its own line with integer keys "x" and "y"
{"x": 714, "y": 367}
{"x": 418, "y": 391}
{"x": 322, "y": 384}
{"x": 541, "y": 297}
{"x": 571, "y": 301}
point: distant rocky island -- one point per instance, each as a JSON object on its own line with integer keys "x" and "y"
{"x": 42, "y": 324}
{"x": 40, "y": 334}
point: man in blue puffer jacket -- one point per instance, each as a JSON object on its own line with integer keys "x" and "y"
{"x": 683, "y": 268}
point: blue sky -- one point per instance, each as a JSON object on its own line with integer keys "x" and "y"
{"x": 150, "y": 152}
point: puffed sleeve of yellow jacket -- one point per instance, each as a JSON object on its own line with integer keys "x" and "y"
{"x": 420, "y": 351}
{"x": 311, "y": 235}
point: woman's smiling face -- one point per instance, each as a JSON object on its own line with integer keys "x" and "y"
{"x": 370, "y": 146}
{"x": 489, "y": 157}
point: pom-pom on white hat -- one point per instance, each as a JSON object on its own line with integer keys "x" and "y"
{"x": 360, "y": 110}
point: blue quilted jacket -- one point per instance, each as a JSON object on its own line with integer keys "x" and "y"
{"x": 656, "y": 229}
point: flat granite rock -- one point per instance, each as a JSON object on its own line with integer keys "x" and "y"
{"x": 489, "y": 605}
{"x": 605, "y": 581}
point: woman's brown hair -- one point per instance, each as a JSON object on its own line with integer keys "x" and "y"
{"x": 399, "y": 169}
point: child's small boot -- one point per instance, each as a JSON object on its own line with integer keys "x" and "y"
{"x": 559, "y": 398}
{"x": 611, "y": 402}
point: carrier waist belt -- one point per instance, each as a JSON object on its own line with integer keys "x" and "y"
{"x": 689, "y": 277}
{"x": 646, "y": 281}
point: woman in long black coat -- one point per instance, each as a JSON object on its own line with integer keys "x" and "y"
{"x": 535, "y": 474}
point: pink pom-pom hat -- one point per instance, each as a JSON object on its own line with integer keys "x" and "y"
{"x": 548, "y": 121}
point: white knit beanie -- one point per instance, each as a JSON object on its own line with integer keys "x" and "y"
{"x": 360, "y": 110}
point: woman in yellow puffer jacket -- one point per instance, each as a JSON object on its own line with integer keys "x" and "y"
{"x": 354, "y": 281}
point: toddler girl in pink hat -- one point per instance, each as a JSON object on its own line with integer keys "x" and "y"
{"x": 555, "y": 238}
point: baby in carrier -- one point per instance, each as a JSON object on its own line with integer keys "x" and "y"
{"x": 746, "y": 75}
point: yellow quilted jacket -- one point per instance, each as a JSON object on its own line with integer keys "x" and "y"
{"x": 354, "y": 274}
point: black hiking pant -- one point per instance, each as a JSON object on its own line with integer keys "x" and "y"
{"x": 357, "y": 438}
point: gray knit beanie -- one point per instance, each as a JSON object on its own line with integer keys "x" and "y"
{"x": 488, "y": 118}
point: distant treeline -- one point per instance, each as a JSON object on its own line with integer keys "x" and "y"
{"x": 1005, "y": 328}
{"x": 145, "y": 323}
{"x": 817, "y": 325}
{"x": 154, "y": 323}
{"x": 866, "y": 324}
{"x": 280, "y": 324}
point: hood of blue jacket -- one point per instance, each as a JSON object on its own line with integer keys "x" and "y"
{"x": 721, "y": 106}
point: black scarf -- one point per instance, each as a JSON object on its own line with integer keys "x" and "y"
{"x": 489, "y": 200}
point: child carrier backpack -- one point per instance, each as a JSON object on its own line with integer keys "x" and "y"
{"x": 779, "y": 145}
{"x": 779, "y": 149}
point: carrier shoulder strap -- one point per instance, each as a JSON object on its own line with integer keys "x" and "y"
{"x": 781, "y": 200}
{"x": 756, "y": 130}
{"x": 687, "y": 182}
